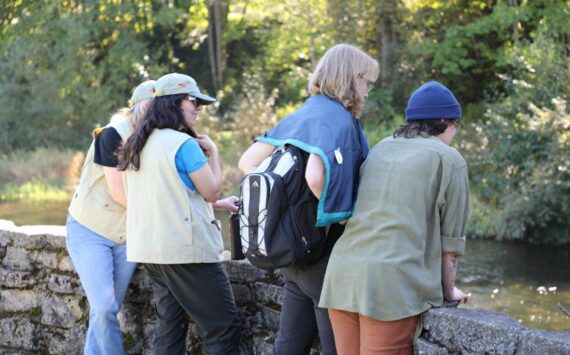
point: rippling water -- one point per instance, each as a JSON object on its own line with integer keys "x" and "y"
{"x": 522, "y": 280}
{"x": 525, "y": 281}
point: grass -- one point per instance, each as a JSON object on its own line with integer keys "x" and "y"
{"x": 33, "y": 191}
{"x": 41, "y": 175}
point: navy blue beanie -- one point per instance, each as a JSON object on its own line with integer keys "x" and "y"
{"x": 433, "y": 101}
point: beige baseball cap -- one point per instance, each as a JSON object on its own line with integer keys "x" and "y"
{"x": 174, "y": 83}
{"x": 142, "y": 92}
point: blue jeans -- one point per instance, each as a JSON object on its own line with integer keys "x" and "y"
{"x": 105, "y": 274}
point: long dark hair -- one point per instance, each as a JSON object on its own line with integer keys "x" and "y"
{"x": 423, "y": 128}
{"x": 163, "y": 112}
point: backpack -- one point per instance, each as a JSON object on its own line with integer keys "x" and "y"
{"x": 278, "y": 213}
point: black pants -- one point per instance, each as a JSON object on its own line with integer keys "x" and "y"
{"x": 301, "y": 319}
{"x": 201, "y": 291}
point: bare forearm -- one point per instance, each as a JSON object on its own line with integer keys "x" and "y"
{"x": 448, "y": 273}
{"x": 253, "y": 156}
{"x": 114, "y": 179}
{"x": 120, "y": 198}
{"x": 214, "y": 162}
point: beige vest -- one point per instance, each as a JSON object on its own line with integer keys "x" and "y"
{"x": 92, "y": 204}
{"x": 167, "y": 223}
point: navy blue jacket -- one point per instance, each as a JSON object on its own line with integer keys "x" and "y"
{"x": 323, "y": 126}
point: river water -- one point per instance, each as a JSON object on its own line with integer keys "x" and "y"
{"x": 522, "y": 280}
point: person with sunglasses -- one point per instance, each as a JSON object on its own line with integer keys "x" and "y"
{"x": 96, "y": 227}
{"x": 327, "y": 128}
{"x": 173, "y": 177}
{"x": 398, "y": 255}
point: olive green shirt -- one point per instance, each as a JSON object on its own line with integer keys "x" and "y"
{"x": 412, "y": 207}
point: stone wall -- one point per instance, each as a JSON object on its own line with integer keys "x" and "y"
{"x": 43, "y": 308}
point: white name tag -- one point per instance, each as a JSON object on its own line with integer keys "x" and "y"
{"x": 338, "y": 155}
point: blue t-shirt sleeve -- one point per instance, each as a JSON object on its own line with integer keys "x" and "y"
{"x": 189, "y": 158}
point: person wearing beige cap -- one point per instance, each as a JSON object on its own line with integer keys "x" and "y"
{"x": 96, "y": 227}
{"x": 173, "y": 178}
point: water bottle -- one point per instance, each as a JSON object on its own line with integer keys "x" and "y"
{"x": 235, "y": 238}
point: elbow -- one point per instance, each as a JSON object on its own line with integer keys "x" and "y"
{"x": 242, "y": 165}
{"x": 315, "y": 182}
{"x": 212, "y": 196}
{"x": 245, "y": 166}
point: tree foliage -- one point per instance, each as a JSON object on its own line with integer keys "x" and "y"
{"x": 65, "y": 65}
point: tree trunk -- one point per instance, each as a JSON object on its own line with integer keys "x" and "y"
{"x": 216, "y": 20}
{"x": 386, "y": 38}
{"x": 310, "y": 24}
{"x": 211, "y": 47}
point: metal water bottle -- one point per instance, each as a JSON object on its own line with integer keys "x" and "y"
{"x": 235, "y": 238}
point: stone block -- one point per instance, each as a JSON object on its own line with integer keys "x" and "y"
{"x": 62, "y": 283}
{"x": 46, "y": 259}
{"x": 241, "y": 271}
{"x": 62, "y": 311}
{"x": 544, "y": 342}
{"x": 148, "y": 334}
{"x": 18, "y": 333}
{"x": 132, "y": 318}
{"x": 141, "y": 280}
{"x": 18, "y": 300}
{"x": 140, "y": 290}
{"x": 65, "y": 264}
{"x": 42, "y": 237}
{"x": 65, "y": 341}
{"x": 55, "y": 239}
{"x": 17, "y": 259}
{"x": 16, "y": 279}
{"x": 23, "y": 240}
{"x": 424, "y": 347}
{"x": 263, "y": 344}
{"x": 193, "y": 341}
{"x": 268, "y": 294}
{"x": 472, "y": 331}
{"x": 242, "y": 294}
{"x": 270, "y": 317}
{"x": 5, "y": 236}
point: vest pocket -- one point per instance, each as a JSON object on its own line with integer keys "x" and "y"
{"x": 104, "y": 200}
{"x": 206, "y": 232}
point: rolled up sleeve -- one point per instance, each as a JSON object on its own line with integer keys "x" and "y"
{"x": 455, "y": 212}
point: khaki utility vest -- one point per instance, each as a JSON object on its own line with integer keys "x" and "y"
{"x": 92, "y": 204}
{"x": 167, "y": 223}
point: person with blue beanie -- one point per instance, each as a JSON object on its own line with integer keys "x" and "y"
{"x": 398, "y": 255}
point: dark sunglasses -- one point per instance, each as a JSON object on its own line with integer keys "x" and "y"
{"x": 197, "y": 102}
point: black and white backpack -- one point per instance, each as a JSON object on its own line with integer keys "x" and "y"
{"x": 278, "y": 213}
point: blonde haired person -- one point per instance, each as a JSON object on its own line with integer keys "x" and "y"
{"x": 327, "y": 128}
{"x": 96, "y": 227}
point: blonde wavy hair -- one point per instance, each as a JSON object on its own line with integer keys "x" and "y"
{"x": 135, "y": 113}
{"x": 337, "y": 74}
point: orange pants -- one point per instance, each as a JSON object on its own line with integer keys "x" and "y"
{"x": 357, "y": 334}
